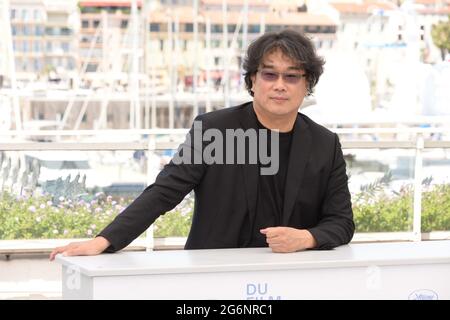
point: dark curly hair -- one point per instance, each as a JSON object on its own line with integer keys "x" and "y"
{"x": 293, "y": 44}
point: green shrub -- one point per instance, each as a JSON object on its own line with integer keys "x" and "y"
{"x": 177, "y": 222}
{"x": 380, "y": 212}
{"x": 38, "y": 217}
{"x": 436, "y": 209}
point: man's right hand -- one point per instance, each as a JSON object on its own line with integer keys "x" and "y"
{"x": 82, "y": 248}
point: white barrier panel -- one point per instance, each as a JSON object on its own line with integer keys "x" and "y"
{"x": 407, "y": 270}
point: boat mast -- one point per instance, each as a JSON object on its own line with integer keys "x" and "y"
{"x": 12, "y": 64}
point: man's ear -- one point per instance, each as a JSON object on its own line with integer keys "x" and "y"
{"x": 253, "y": 78}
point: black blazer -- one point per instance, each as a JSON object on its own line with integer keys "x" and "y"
{"x": 316, "y": 194}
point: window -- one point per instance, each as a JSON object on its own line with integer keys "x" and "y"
{"x": 49, "y": 46}
{"x": 215, "y": 43}
{"x": 90, "y": 10}
{"x": 161, "y": 45}
{"x": 254, "y": 28}
{"x": 49, "y": 31}
{"x": 39, "y": 31}
{"x": 85, "y": 23}
{"x": 25, "y": 46}
{"x": 216, "y": 28}
{"x": 13, "y": 14}
{"x": 71, "y": 64}
{"x": 91, "y": 67}
{"x": 189, "y": 27}
{"x": 27, "y": 30}
{"x": 65, "y": 46}
{"x": 124, "y": 24}
{"x": 37, "y": 46}
{"x": 272, "y": 27}
{"x": 37, "y": 65}
{"x": 14, "y": 30}
{"x": 36, "y": 15}
{"x": 65, "y": 31}
{"x": 327, "y": 29}
{"x": 154, "y": 27}
{"x": 231, "y": 28}
{"x": 96, "y": 23}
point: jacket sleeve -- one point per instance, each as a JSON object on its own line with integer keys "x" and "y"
{"x": 172, "y": 184}
{"x": 336, "y": 226}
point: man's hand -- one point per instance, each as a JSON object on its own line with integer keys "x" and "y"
{"x": 82, "y": 248}
{"x": 284, "y": 239}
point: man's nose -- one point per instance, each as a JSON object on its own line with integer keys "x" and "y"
{"x": 279, "y": 84}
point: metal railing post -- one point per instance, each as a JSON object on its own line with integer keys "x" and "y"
{"x": 149, "y": 238}
{"x": 418, "y": 173}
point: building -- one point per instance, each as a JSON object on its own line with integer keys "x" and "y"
{"x": 44, "y": 38}
{"x": 178, "y": 45}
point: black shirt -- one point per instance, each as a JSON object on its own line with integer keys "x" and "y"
{"x": 270, "y": 195}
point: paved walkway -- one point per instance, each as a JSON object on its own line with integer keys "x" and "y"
{"x": 26, "y": 272}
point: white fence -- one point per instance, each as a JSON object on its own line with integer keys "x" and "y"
{"x": 20, "y": 141}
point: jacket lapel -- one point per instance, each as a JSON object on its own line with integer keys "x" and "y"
{"x": 250, "y": 171}
{"x": 298, "y": 158}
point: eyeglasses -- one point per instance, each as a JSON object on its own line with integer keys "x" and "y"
{"x": 271, "y": 76}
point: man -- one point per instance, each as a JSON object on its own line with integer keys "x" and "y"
{"x": 303, "y": 204}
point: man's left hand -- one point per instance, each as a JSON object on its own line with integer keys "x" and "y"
{"x": 285, "y": 239}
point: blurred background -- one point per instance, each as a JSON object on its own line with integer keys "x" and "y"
{"x": 95, "y": 97}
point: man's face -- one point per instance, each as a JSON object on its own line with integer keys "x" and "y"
{"x": 278, "y": 96}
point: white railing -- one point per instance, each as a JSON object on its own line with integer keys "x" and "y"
{"x": 177, "y": 135}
